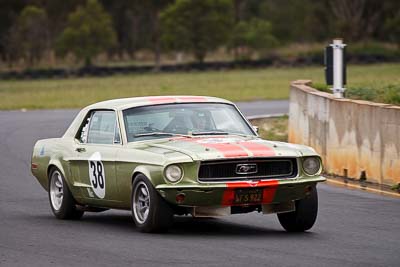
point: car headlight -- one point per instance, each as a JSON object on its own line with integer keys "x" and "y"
{"x": 173, "y": 173}
{"x": 311, "y": 165}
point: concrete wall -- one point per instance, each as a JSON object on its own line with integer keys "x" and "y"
{"x": 355, "y": 138}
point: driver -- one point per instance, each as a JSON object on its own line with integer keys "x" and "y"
{"x": 200, "y": 121}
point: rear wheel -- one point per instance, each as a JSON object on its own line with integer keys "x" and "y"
{"x": 61, "y": 201}
{"x": 305, "y": 215}
{"x": 149, "y": 210}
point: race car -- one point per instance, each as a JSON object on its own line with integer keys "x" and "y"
{"x": 161, "y": 156}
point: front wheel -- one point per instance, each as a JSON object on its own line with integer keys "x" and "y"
{"x": 149, "y": 210}
{"x": 305, "y": 215}
{"x": 62, "y": 202}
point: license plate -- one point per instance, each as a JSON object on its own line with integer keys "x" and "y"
{"x": 248, "y": 196}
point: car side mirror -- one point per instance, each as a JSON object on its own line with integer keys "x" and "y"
{"x": 256, "y": 129}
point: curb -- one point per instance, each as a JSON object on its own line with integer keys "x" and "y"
{"x": 353, "y": 185}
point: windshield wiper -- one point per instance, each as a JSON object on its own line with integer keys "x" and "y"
{"x": 243, "y": 135}
{"x": 223, "y": 133}
{"x": 210, "y": 133}
{"x": 152, "y": 134}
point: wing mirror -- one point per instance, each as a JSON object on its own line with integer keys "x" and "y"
{"x": 256, "y": 129}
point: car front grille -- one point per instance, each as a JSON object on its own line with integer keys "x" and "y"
{"x": 247, "y": 169}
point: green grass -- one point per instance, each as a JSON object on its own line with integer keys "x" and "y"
{"x": 274, "y": 129}
{"x": 235, "y": 85}
{"x": 388, "y": 94}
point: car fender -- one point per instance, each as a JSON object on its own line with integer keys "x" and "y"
{"x": 57, "y": 163}
{"x": 152, "y": 172}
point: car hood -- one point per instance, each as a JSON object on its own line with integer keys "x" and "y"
{"x": 223, "y": 147}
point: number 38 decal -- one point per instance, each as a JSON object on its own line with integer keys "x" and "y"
{"x": 97, "y": 175}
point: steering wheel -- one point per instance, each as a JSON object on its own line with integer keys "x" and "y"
{"x": 152, "y": 129}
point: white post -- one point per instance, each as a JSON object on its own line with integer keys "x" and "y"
{"x": 338, "y": 88}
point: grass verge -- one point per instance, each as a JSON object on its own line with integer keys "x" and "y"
{"x": 235, "y": 85}
{"x": 274, "y": 129}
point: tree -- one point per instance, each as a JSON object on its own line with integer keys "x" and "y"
{"x": 89, "y": 32}
{"x": 360, "y": 20}
{"x": 155, "y": 7}
{"x": 253, "y": 35}
{"x": 238, "y": 6}
{"x": 9, "y": 10}
{"x": 291, "y": 20}
{"x": 128, "y": 20}
{"x": 28, "y": 37}
{"x": 197, "y": 26}
{"x": 57, "y": 12}
{"x": 392, "y": 26}
{"x": 12, "y": 46}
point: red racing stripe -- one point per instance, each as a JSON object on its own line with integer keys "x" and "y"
{"x": 252, "y": 184}
{"x": 269, "y": 190}
{"x": 161, "y": 99}
{"x": 258, "y": 150}
{"x": 227, "y": 150}
{"x": 228, "y": 197}
{"x": 269, "y": 193}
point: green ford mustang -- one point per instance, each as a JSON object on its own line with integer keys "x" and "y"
{"x": 165, "y": 155}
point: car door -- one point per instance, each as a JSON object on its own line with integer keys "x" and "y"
{"x": 95, "y": 158}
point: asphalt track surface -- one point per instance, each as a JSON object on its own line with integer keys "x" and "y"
{"x": 354, "y": 228}
{"x": 259, "y": 108}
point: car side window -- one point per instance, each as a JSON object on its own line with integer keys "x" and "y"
{"x": 102, "y": 128}
{"x": 84, "y": 131}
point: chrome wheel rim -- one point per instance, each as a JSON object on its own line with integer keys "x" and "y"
{"x": 56, "y": 190}
{"x": 141, "y": 202}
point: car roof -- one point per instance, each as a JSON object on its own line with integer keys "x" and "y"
{"x": 125, "y": 103}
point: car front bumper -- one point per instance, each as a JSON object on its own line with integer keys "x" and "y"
{"x": 222, "y": 194}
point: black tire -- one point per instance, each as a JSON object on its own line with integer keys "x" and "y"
{"x": 159, "y": 215}
{"x": 305, "y": 215}
{"x": 67, "y": 209}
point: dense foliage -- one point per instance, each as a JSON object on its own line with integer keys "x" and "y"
{"x": 389, "y": 94}
{"x": 197, "y": 26}
{"x": 253, "y": 35}
{"x": 244, "y": 26}
{"x": 28, "y": 37}
{"x": 89, "y": 31}
{"x": 381, "y": 93}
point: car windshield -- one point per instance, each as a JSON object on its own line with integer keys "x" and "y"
{"x": 189, "y": 119}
